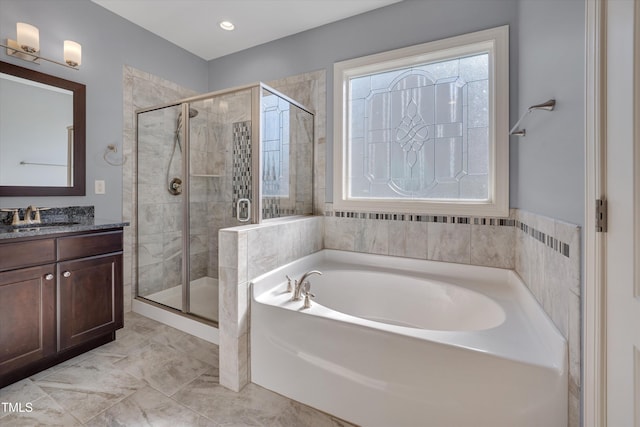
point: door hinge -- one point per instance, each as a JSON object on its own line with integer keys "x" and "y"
{"x": 601, "y": 216}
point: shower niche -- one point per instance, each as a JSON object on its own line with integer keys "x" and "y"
{"x": 219, "y": 160}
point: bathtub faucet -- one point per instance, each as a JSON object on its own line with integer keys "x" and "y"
{"x": 297, "y": 284}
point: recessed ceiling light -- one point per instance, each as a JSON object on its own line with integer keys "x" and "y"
{"x": 226, "y": 25}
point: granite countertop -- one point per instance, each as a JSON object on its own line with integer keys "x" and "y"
{"x": 88, "y": 224}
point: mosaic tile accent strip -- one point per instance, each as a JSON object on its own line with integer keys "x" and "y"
{"x": 552, "y": 242}
{"x": 271, "y": 208}
{"x": 423, "y": 218}
{"x": 555, "y": 244}
{"x": 241, "y": 178}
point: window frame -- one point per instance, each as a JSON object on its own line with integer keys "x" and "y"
{"x": 495, "y": 42}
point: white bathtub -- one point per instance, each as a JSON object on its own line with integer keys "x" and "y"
{"x": 397, "y": 342}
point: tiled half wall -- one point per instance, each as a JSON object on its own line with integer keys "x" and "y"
{"x": 245, "y": 253}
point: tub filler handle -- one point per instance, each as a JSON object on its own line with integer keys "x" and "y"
{"x": 306, "y": 290}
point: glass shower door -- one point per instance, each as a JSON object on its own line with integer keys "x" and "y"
{"x": 219, "y": 181}
{"x": 159, "y": 206}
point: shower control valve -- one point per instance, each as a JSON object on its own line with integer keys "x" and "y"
{"x": 175, "y": 186}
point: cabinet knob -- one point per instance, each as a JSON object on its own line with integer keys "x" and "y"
{"x": 66, "y": 274}
{"x": 48, "y": 277}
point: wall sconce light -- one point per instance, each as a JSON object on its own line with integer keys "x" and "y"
{"x": 545, "y": 106}
{"x": 27, "y": 47}
{"x": 72, "y": 53}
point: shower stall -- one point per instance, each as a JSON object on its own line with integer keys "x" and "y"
{"x": 223, "y": 159}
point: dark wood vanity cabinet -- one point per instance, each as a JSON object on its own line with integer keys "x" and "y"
{"x": 69, "y": 304}
{"x": 27, "y": 316}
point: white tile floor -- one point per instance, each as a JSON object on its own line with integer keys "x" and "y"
{"x": 152, "y": 375}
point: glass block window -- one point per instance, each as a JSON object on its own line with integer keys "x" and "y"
{"x": 424, "y": 129}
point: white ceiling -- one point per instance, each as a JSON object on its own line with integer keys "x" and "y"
{"x": 193, "y": 24}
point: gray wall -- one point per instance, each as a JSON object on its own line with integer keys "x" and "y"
{"x": 547, "y": 56}
{"x": 399, "y": 25}
{"x": 548, "y": 164}
{"x": 546, "y": 61}
{"x": 108, "y": 42}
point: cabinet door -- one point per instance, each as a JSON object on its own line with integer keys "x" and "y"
{"x": 27, "y": 316}
{"x": 90, "y": 298}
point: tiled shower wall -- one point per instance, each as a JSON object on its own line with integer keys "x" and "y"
{"x": 160, "y": 219}
{"x": 310, "y": 90}
{"x": 211, "y": 141}
{"x": 228, "y": 113}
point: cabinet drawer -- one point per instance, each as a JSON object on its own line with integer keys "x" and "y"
{"x": 87, "y": 245}
{"x": 25, "y": 254}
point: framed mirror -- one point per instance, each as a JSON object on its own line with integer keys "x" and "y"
{"x": 42, "y": 134}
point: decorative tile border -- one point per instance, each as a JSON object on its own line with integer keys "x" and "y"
{"x": 422, "y": 218}
{"x": 555, "y": 244}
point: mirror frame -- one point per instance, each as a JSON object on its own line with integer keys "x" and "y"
{"x": 79, "y": 135}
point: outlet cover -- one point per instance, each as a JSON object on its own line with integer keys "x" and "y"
{"x": 99, "y": 186}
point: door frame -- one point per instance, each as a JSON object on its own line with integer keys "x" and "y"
{"x": 594, "y": 374}
{"x": 594, "y": 291}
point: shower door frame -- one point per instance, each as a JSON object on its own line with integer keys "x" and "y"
{"x": 256, "y": 182}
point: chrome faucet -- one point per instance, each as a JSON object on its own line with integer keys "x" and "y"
{"x": 297, "y": 284}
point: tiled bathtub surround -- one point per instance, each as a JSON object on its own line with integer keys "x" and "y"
{"x": 548, "y": 260}
{"x": 247, "y": 252}
{"x": 543, "y": 251}
{"x": 479, "y": 241}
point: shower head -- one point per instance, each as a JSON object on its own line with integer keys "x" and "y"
{"x": 192, "y": 113}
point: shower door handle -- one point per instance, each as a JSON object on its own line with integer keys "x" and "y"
{"x": 239, "y": 204}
